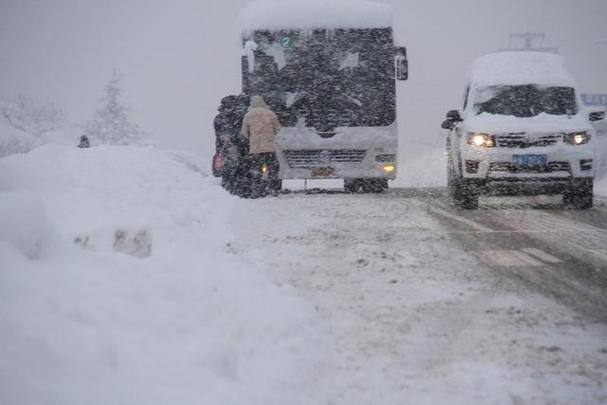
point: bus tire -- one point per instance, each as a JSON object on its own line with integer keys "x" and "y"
{"x": 375, "y": 186}
{"x": 366, "y": 186}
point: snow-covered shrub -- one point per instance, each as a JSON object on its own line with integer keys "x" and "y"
{"x": 32, "y": 116}
{"x": 14, "y": 141}
{"x": 111, "y": 124}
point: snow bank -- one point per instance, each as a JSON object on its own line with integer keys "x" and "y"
{"x": 24, "y": 224}
{"x": 520, "y": 68}
{"x": 13, "y": 141}
{"x": 84, "y": 321}
{"x": 304, "y": 14}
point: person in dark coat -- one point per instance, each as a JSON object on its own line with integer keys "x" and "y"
{"x": 84, "y": 142}
{"x": 230, "y": 147}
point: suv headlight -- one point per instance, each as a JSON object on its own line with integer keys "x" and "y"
{"x": 481, "y": 140}
{"x": 577, "y": 138}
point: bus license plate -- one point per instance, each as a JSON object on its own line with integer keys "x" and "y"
{"x": 530, "y": 160}
{"x": 323, "y": 172}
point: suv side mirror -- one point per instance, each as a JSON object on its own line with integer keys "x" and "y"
{"x": 453, "y": 117}
{"x": 448, "y": 125}
{"x": 597, "y": 116}
{"x": 402, "y": 63}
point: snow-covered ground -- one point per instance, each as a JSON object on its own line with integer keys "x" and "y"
{"x": 117, "y": 286}
{"x": 127, "y": 275}
{"x": 417, "y": 318}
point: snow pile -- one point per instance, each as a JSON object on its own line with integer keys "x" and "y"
{"x": 117, "y": 286}
{"x": 13, "y": 141}
{"x": 308, "y": 14}
{"x": 24, "y": 224}
{"x": 520, "y": 68}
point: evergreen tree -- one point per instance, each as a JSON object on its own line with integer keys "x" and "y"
{"x": 111, "y": 124}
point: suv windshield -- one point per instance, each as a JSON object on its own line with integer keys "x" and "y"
{"x": 526, "y": 101}
{"x": 328, "y": 78}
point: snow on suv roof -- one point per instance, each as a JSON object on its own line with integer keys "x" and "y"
{"x": 308, "y": 14}
{"x": 520, "y": 68}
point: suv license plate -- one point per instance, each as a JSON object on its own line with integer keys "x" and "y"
{"x": 530, "y": 160}
{"x": 323, "y": 172}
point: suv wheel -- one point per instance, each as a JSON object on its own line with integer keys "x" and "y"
{"x": 580, "y": 195}
{"x": 464, "y": 194}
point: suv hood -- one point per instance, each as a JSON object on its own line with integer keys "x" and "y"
{"x": 543, "y": 123}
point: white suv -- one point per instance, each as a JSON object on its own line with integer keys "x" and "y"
{"x": 522, "y": 131}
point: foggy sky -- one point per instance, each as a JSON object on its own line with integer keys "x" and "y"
{"x": 179, "y": 58}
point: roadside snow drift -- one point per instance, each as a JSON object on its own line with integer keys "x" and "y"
{"x": 116, "y": 287}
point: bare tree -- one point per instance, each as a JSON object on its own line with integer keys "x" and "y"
{"x": 31, "y": 116}
{"x": 111, "y": 124}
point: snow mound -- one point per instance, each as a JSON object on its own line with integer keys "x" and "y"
{"x": 135, "y": 295}
{"x": 308, "y": 14}
{"x": 13, "y": 141}
{"x": 520, "y": 68}
{"x": 25, "y": 225}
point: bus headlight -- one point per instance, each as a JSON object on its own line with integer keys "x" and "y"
{"x": 389, "y": 168}
{"x": 577, "y": 138}
{"x": 481, "y": 140}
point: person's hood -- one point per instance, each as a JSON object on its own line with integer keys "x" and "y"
{"x": 258, "y": 102}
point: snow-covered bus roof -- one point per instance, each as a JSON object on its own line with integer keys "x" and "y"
{"x": 520, "y": 68}
{"x": 310, "y": 14}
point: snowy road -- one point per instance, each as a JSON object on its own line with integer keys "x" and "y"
{"x": 426, "y": 303}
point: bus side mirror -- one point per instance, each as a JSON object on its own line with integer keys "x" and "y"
{"x": 402, "y": 64}
{"x": 597, "y": 116}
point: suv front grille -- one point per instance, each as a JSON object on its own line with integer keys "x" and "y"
{"x": 524, "y": 141}
{"x": 305, "y": 159}
{"x": 550, "y": 168}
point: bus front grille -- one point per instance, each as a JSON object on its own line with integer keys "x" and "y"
{"x": 305, "y": 159}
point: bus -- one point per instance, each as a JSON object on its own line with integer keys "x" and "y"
{"x": 330, "y": 74}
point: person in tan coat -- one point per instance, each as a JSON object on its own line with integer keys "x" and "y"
{"x": 260, "y": 125}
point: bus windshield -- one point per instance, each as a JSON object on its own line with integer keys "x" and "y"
{"x": 328, "y": 78}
